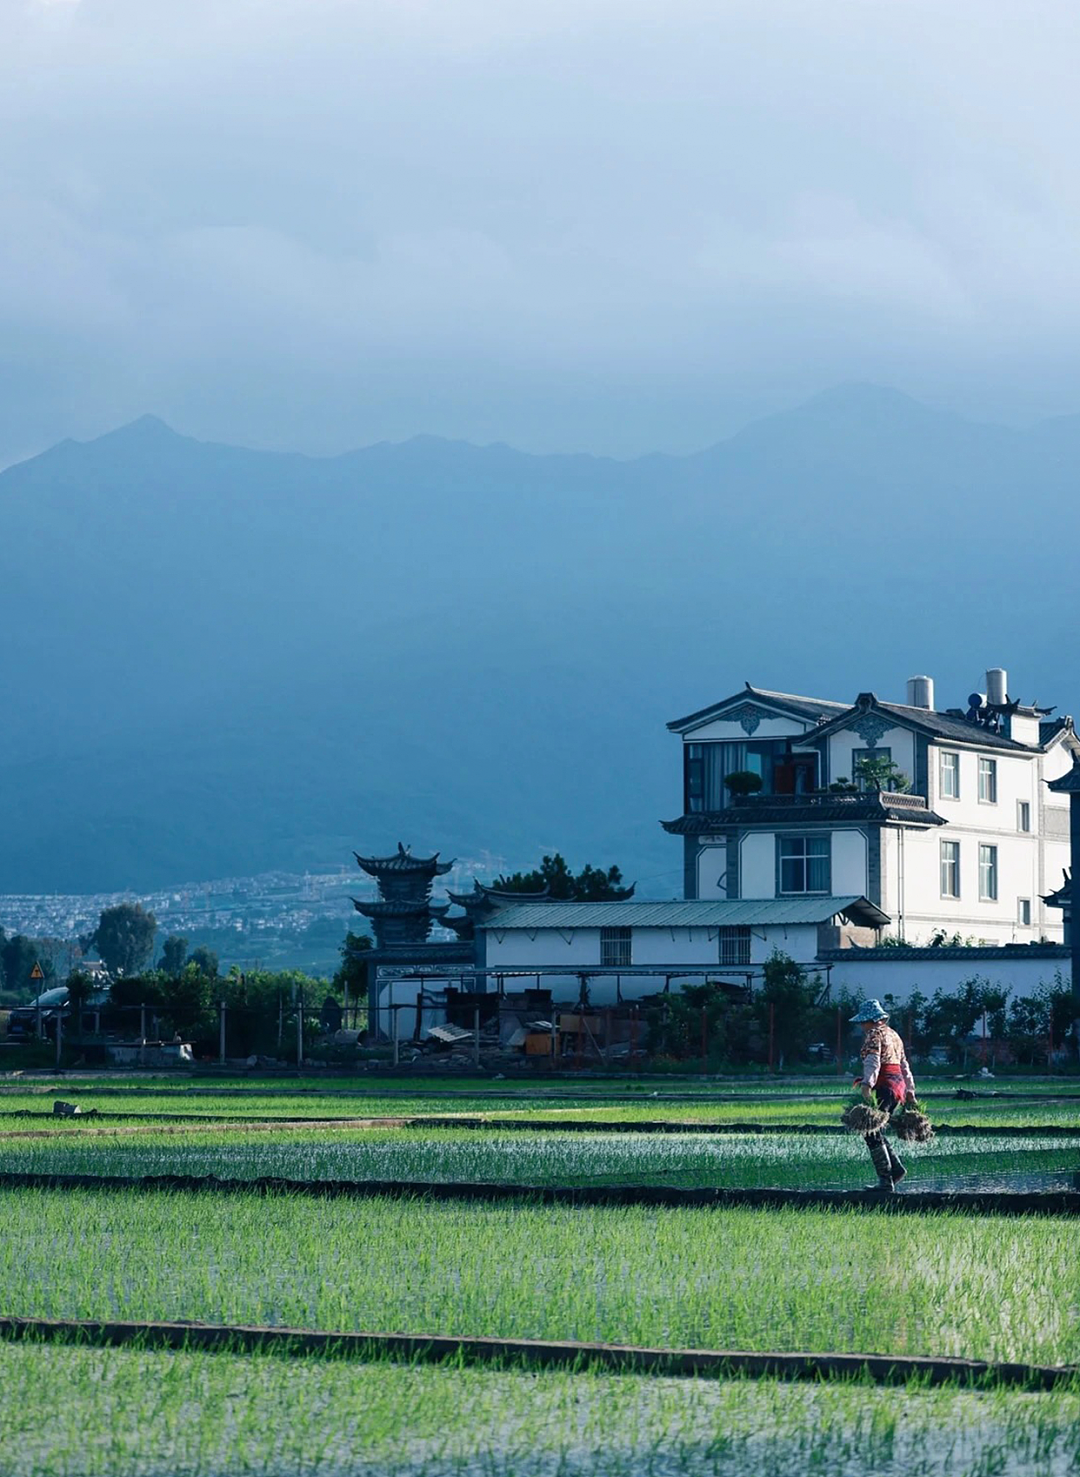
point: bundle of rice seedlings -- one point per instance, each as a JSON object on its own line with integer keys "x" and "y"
{"x": 863, "y": 1117}
{"x": 912, "y": 1125}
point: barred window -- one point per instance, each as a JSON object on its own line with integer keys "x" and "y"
{"x": 616, "y": 948}
{"x": 734, "y": 945}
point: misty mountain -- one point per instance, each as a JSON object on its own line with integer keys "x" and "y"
{"x": 220, "y": 661}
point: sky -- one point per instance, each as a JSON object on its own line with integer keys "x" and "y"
{"x": 604, "y": 225}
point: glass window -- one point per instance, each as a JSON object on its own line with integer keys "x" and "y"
{"x": 950, "y": 776}
{"x": 616, "y": 948}
{"x": 804, "y": 863}
{"x": 857, "y": 756}
{"x": 988, "y": 879}
{"x": 694, "y": 799}
{"x": 1024, "y": 911}
{"x": 988, "y": 781}
{"x": 950, "y": 869}
{"x": 734, "y": 946}
{"x": 1023, "y": 815}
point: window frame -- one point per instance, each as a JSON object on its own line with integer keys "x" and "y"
{"x": 953, "y": 769}
{"x": 739, "y": 936}
{"x": 952, "y": 862}
{"x": 617, "y": 947}
{"x": 1023, "y": 812}
{"x": 805, "y": 859}
{"x": 1023, "y": 905}
{"x": 988, "y": 870}
{"x": 884, "y": 751}
{"x": 988, "y": 772}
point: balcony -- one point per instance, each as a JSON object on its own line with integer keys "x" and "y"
{"x": 820, "y": 807}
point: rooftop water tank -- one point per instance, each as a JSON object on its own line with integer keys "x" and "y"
{"x": 997, "y": 683}
{"x": 920, "y": 692}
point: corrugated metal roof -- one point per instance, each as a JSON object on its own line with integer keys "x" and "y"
{"x": 726, "y": 913}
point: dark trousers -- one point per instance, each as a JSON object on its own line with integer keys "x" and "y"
{"x": 884, "y": 1157}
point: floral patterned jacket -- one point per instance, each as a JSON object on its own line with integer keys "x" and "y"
{"x": 882, "y": 1047}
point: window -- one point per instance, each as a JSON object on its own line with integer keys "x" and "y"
{"x": 734, "y": 946}
{"x": 988, "y": 880}
{"x": 1023, "y": 911}
{"x": 988, "y": 781}
{"x": 694, "y": 799}
{"x": 616, "y": 949}
{"x": 857, "y": 756}
{"x": 803, "y": 863}
{"x": 1023, "y": 815}
{"x": 950, "y": 776}
{"x": 950, "y": 869}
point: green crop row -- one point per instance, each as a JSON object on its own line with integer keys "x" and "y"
{"x": 476, "y": 1155}
{"x": 76, "y": 1412}
{"x": 801, "y": 1280}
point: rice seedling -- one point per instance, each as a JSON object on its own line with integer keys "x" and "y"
{"x": 1001, "y": 1290}
{"x": 190, "y": 1414}
{"x": 483, "y": 1156}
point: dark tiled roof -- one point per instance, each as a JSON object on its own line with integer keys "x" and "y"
{"x": 1067, "y": 784}
{"x": 943, "y": 725}
{"x": 400, "y": 909}
{"x": 403, "y": 861}
{"x": 1062, "y": 898}
{"x": 807, "y": 810}
{"x": 811, "y": 708}
{"x": 915, "y": 954}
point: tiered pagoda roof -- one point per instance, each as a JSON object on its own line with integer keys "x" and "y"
{"x": 404, "y": 912}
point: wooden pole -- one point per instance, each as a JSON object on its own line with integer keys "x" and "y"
{"x": 839, "y": 1043}
{"x": 772, "y": 1033}
{"x": 299, "y": 1030}
{"x": 476, "y": 1034}
{"x": 633, "y": 1037}
{"x": 59, "y": 1033}
{"x": 704, "y": 1041}
{"x": 395, "y": 1014}
{"x": 221, "y": 1032}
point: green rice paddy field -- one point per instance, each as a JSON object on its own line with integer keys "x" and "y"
{"x": 851, "y": 1280}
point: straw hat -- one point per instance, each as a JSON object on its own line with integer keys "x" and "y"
{"x": 872, "y": 1010}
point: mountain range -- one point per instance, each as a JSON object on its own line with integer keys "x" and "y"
{"x": 219, "y": 661}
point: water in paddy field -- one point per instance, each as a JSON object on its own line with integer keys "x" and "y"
{"x": 989, "y": 1181}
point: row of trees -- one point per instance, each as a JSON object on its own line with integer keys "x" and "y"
{"x": 799, "y": 1014}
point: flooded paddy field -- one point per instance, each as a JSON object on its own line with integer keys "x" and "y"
{"x": 847, "y": 1280}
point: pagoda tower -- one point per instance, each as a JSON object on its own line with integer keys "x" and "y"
{"x": 404, "y": 912}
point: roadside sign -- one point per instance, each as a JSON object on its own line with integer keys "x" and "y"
{"x": 37, "y": 973}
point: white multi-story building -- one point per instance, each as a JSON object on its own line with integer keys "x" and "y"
{"x": 973, "y": 847}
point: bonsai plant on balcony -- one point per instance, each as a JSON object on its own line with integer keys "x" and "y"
{"x": 742, "y": 782}
{"x": 881, "y": 772}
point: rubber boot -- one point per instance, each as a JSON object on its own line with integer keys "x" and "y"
{"x": 882, "y": 1163}
{"x": 896, "y": 1164}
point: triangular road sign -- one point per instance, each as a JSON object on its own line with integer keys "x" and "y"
{"x": 37, "y": 973}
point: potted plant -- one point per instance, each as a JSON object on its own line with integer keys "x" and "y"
{"x": 742, "y": 782}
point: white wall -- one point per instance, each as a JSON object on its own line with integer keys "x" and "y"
{"x": 693, "y": 948}
{"x": 730, "y": 728}
{"x": 880, "y": 976}
{"x": 712, "y": 872}
{"x": 900, "y": 741}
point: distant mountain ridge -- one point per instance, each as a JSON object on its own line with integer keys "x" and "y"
{"x": 220, "y": 661}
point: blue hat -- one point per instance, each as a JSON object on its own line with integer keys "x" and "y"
{"x": 872, "y": 1010}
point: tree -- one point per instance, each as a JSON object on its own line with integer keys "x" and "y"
{"x": 173, "y": 954}
{"x": 205, "y": 961}
{"x": 124, "y": 938}
{"x": 590, "y": 885}
{"x": 351, "y": 973}
{"x": 18, "y": 955}
{"x": 881, "y": 772}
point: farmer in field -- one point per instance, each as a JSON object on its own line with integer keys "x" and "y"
{"x": 886, "y": 1078}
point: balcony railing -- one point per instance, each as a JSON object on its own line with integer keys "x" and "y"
{"x": 895, "y": 800}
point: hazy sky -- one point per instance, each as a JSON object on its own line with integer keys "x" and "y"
{"x": 604, "y": 224}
